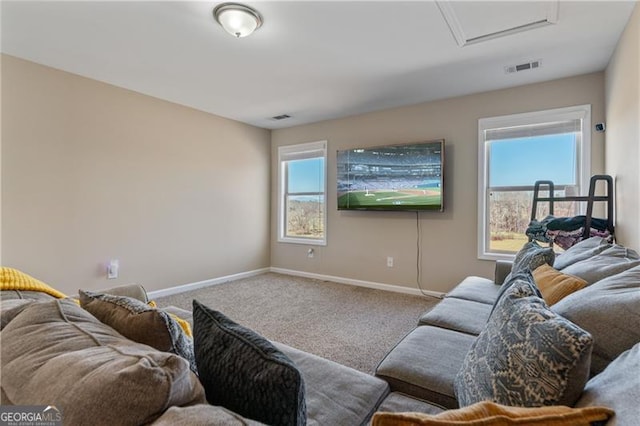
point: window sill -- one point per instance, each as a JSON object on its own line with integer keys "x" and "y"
{"x": 307, "y": 241}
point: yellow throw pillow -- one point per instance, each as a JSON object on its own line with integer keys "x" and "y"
{"x": 487, "y": 413}
{"x": 554, "y": 285}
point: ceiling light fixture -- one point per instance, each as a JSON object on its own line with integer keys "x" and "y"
{"x": 237, "y": 19}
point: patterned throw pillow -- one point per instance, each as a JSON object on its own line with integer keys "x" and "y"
{"x": 526, "y": 356}
{"x": 531, "y": 256}
{"x": 140, "y": 322}
{"x": 242, "y": 371}
{"x": 514, "y": 278}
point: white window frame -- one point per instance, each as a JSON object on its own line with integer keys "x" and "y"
{"x": 581, "y": 112}
{"x": 299, "y": 152}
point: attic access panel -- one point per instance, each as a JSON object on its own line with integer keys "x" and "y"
{"x": 475, "y": 22}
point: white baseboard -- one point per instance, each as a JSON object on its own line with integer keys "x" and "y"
{"x": 194, "y": 286}
{"x": 340, "y": 280}
{"x": 359, "y": 283}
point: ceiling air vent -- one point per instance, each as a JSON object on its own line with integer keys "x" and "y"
{"x": 510, "y": 69}
{"x": 281, "y": 117}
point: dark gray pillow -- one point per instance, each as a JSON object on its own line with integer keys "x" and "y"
{"x": 242, "y": 371}
{"x": 526, "y": 356}
{"x": 610, "y": 311}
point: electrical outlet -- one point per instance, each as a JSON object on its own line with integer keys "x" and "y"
{"x": 112, "y": 269}
{"x": 389, "y": 262}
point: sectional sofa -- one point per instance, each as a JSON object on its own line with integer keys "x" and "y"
{"x": 428, "y": 362}
{"x": 486, "y": 340}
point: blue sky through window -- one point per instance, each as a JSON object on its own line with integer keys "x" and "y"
{"x": 522, "y": 161}
{"x": 306, "y": 175}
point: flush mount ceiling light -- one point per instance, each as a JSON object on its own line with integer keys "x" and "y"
{"x": 237, "y": 19}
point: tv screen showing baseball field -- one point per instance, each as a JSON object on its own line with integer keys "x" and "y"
{"x": 391, "y": 177}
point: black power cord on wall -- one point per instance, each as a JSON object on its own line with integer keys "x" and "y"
{"x": 419, "y": 254}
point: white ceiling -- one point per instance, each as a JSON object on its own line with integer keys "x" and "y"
{"x": 313, "y": 60}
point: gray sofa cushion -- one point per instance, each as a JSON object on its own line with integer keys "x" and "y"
{"x": 202, "y": 414}
{"x": 11, "y": 308}
{"x": 611, "y": 261}
{"x": 336, "y": 394}
{"x": 425, "y": 363}
{"x": 244, "y": 372}
{"x": 610, "y": 311}
{"x": 526, "y": 356}
{"x": 477, "y": 289}
{"x": 22, "y": 294}
{"x": 585, "y": 249}
{"x": 617, "y": 387}
{"x": 461, "y": 315}
{"x": 398, "y": 402}
{"x": 135, "y": 291}
{"x": 57, "y": 353}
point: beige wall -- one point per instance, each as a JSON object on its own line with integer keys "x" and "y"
{"x": 622, "y": 147}
{"x": 91, "y": 172}
{"x": 359, "y": 242}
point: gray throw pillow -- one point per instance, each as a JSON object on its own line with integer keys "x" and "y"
{"x": 140, "y": 322}
{"x": 526, "y": 356}
{"x": 242, "y": 371}
{"x": 610, "y": 311}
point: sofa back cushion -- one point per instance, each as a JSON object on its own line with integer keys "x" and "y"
{"x": 585, "y": 249}
{"x": 617, "y": 387}
{"x": 610, "y": 311}
{"x": 611, "y": 261}
{"x": 56, "y": 353}
{"x": 526, "y": 356}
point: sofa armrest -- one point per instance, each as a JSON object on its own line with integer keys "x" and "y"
{"x": 135, "y": 291}
{"x": 503, "y": 268}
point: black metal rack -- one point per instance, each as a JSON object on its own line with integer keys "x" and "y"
{"x": 589, "y": 199}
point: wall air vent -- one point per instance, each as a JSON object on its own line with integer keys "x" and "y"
{"x": 280, "y": 117}
{"x": 511, "y": 69}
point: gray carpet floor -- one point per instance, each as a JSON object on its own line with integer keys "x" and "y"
{"x": 351, "y": 325}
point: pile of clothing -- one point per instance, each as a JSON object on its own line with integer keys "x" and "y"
{"x": 566, "y": 231}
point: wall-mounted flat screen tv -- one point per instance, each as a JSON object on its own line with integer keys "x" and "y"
{"x": 392, "y": 177}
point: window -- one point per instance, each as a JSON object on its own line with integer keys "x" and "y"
{"x": 515, "y": 151}
{"x": 302, "y": 213}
